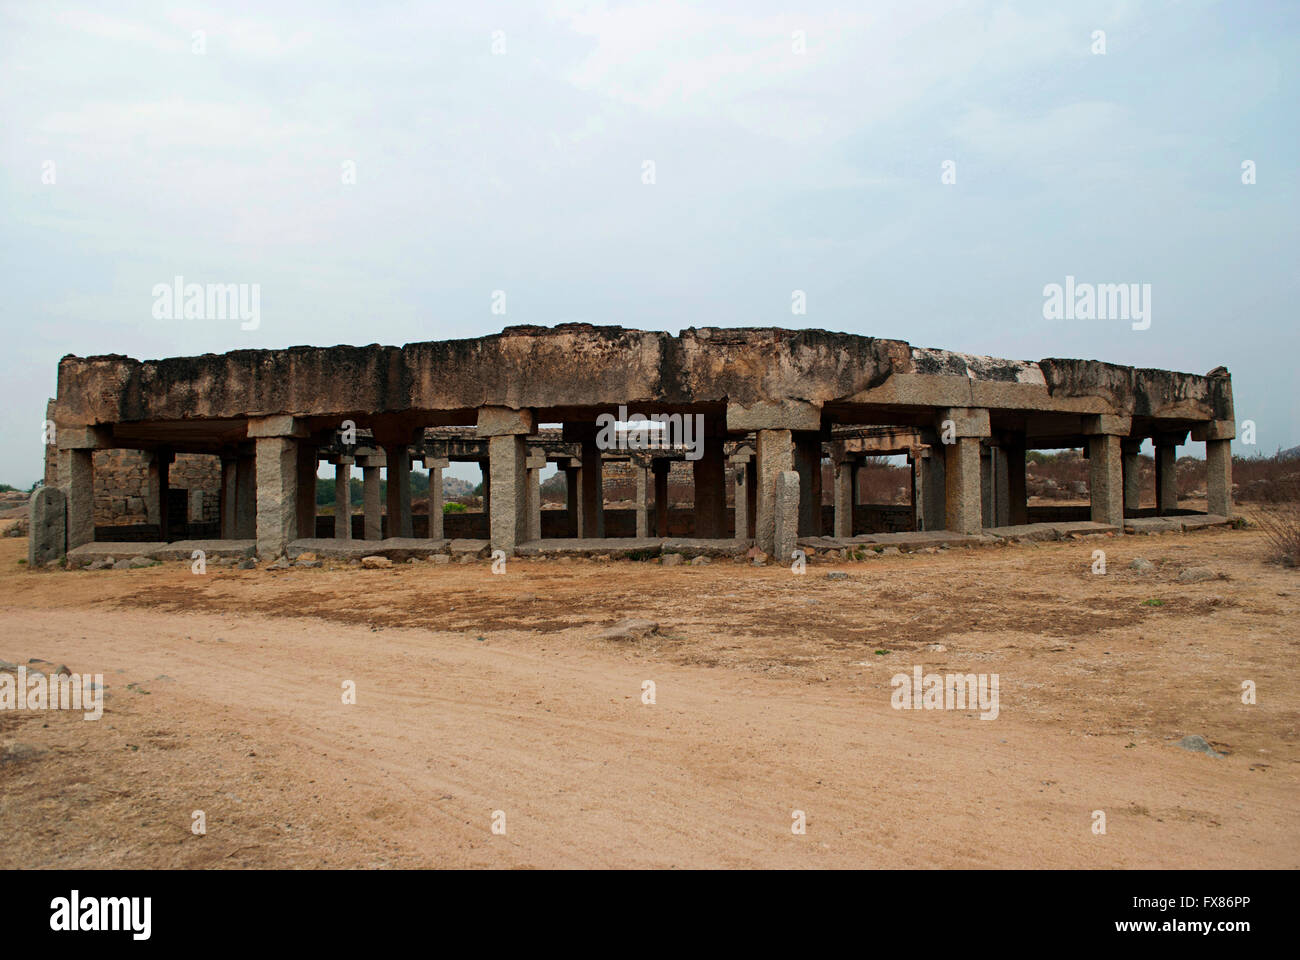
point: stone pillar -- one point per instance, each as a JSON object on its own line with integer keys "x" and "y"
{"x": 988, "y": 508}
{"x": 485, "y": 468}
{"x": 1217, "y": 435}
{"x": 710, "y": 490}
{"x": 661, "y": 469}
{"x": 246, "y": 498}
{"x": 533, "y": 484}
{"x": 808, "y": 464}
{"x": 775, "y": 456}
{"x": 308, "y": 464}
{"x": 963, "y": 496}
{"x": 742, "y": 491}
{"x": 509, "y": 517}
{"x": 1167, "y": 472}
{"x": 1218, "y": 477}
{"x": 277, "y": 455}
{"x": 78, "y": 467}
{"x": 399, "y": 490}
{"x": 1001, "y": 488}
{"x": 931, "y": 470}
{"x": 371, "y": 463}
{"x": 229, "y": 497}
{"x": 435, "y": 466}
{"x": 343, "y": 498}
{"x": 1130, "y": 467}
{"x": 1017, "y": 491}
{"x": 505, "y": 430}
{"x": 846, "y": 473}
{"x": 1105, "y": 435}
{"x": 642, "y": 510}
{"x": 963, "y": 500}
{"x": 593, "y": 489}
{"x": 572, "y": 498}
{"x": 157, "y": 487}
{"x": 785, "y": 515}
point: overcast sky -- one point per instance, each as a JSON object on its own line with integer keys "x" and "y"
{"x": 795, "y": 146}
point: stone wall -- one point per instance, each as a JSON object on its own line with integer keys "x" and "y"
{"x": 122, "y": 479}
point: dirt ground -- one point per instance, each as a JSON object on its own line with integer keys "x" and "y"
{"x": 478, "y": 693}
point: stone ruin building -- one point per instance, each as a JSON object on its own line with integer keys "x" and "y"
{"x": 222, "y": 452}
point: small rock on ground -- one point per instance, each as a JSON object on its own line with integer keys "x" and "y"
{"x": 1196, "y": 575}
{"x": 1198, "y": 744}
{"x": 631, "y": 629}
{"x": 376, "y": 563}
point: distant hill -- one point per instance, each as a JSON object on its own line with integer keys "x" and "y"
{"x": 456, "y": 487}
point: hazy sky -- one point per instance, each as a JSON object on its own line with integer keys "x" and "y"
{"x": 504, "y": 147}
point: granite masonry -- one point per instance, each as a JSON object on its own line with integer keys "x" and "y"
{"x": 243, "y": 434}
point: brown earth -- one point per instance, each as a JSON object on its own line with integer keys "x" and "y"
{"x": 478, "y": 693}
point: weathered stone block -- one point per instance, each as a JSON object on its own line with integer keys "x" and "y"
{"x": 47, "y": 532}
{"x": 502, "y": 422}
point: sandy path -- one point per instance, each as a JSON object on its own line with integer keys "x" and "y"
{"x": 767, "y": 702}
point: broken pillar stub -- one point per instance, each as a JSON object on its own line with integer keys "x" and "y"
{"x": 47, "y": 526}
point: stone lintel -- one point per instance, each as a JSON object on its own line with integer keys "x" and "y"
{"x": 504, "y": 422}
{"x": 1209, "y": 430}
{"x": 340, "y": 460}
{"x": 768, "y": 415}
{"x": 439, "y": 463}
{"x": 83, "y": 438}
{"x": 277, "y": 426}
{"x": 376, "y": 459}
{"x": 1108, "y": 425}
